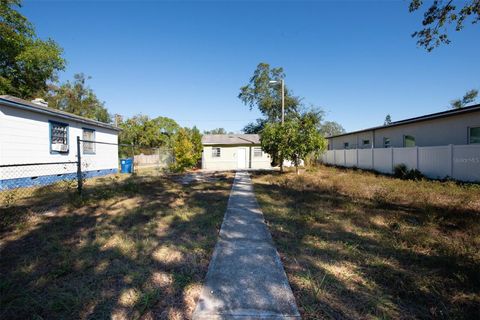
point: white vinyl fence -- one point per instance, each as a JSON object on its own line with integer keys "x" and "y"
{"x": 460, "y": 162}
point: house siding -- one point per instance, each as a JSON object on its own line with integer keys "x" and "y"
{"x": 434, "y": 132}
{"x": 228, "y": 158}
{"x": 25, "y": 138}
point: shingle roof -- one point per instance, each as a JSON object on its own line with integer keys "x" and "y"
{"x": 230, "y": 139}
{"x": 24, "y": 104}
{"x": 431, "y": 116}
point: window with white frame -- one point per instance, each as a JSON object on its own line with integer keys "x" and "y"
{"x": 89, "y": 135}
{"x": 345, "y": 145}
{"x": 386, "y": 142}
{"x": 216, "y": 153}
{"x": 58, "y": 137}
{"x": 257, "y": 152}
{"x": 365, "y": 142}
{"x": 474, "y": 135}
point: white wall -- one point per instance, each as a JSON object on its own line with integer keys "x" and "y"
{"x": 25, "y": 138}
{"x": 228, "y": 159}
{"x": 460, "y": 162}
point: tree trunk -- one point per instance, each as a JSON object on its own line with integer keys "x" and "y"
{"x": 296, "y": 170}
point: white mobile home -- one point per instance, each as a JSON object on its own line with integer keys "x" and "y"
{"x": 31, "y": 133}
{"x": 233, "y": 151}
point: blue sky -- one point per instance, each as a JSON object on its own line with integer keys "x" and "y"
{"x": 187, "y": 60}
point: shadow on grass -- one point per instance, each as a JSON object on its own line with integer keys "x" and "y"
{"x": 137, "y": 248}
{"x": 343, "y": 263}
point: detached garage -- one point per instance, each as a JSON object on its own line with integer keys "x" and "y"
{"x": 233, "y": 151}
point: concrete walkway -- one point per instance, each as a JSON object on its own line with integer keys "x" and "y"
{"x": 245, "y": 278}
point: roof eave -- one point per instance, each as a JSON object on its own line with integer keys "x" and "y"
{"x": 57, "y": 114}
{"x": 414, "y": 120}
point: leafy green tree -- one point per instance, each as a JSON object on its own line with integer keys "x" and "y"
{"x": 439, "y": 15}
{"x": 388, "y": 120}
{"x": 215, "y": 131}
{"x": 26, "y": 62}
{"x": 331, "y": 128}
{"x": 145, "y": 134}
{"x": 469, "y": 97}
{"x": 273, "y": 141}
{"x": 259, "y": 92}
{"x": 303, "y": 140}
{"x": 255, "y": 127}
{"x": 183, "y": 151}
{"x": 294, "y": 140}
{"x": 196, "y": 139}
{"x": 77, "y": 98}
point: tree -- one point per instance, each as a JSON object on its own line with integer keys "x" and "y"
{"x": 145, "y": 134}
{"x": 255, "y": 127}
{"x": 331, "y": 128}
{"x": 215, "y": 131}
{"x": 77, "y": 98}
{"x": 304, "y": 140}
{"x": 196, "y": 139}
{"x": 469, "y": 97}
{"x": 388, "y": 120}
{"x": 439, "y": 15}
{"x": 183, "y": 151}
{"x": 267, "y": 97}
{"x": 26, "y": 62}
{"x": 273, "y": 141}
{"x": 293, "y": 140}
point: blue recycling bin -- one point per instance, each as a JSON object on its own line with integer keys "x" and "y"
{"x": 126, "y": 165}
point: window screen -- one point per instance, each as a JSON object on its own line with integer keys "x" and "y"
{"x": 88, "y": 147}
{"x": 474, "y": 135}
{"x": 386, "y": 142}
{"x": 257, "y": 152}
{"x": 216, "y": 152}
{"x": 408, "y": 141}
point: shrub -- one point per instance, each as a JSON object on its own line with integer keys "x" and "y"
{"x": 401, "y": 171}
{"x": 414, "y": 174}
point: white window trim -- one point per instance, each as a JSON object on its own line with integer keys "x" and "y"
{"x": 216, "y": 154}
{"x": 255, "y": 149}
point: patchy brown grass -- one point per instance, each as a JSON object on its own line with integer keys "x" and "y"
{"x": 132, "y": 248}
{"x": 357, "y": 245}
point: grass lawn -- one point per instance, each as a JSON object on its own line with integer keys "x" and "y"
{"x": 133, "y": 248}
{"x": 356, "y": 245}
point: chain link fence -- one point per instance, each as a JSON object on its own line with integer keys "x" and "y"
{"x": 40, "y": 187}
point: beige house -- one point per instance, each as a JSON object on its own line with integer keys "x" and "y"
{"x": 455, "y": 127}
{"x": 233, "y": 151}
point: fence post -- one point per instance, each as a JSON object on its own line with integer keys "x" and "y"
{"x": 373, "y": 158}
{"x": 417, "y": 162}
{"x": 344, "y": 157}
{"x": 391, "y": 158}
{"x": 79, "y": 167}
{"x": 451, "y": 160}
{"x": 357, "y": 155}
